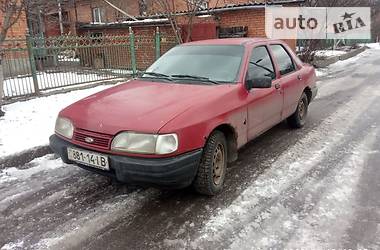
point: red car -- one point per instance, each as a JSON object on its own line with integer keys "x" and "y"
{"x": 185, "y": 118}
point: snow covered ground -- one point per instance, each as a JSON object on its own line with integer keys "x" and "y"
{"x": 340, "y": 65}
{"x": 29, "y": 124}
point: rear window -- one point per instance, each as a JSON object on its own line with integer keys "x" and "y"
{"x": 217, "y": 62}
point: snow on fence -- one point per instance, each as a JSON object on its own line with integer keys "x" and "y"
{"x": 34, "y": 64}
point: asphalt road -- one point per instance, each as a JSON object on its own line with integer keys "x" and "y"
{"x": 318, "y": 187}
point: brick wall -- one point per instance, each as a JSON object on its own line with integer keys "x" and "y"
{"x": 18, "y": 29}
{"x": 254, "y": 19}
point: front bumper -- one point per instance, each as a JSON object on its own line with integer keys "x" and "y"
{"x": 174, "y": 172}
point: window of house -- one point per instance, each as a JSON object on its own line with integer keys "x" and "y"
{"x": 260, "y": 64}
{"x": 284, "y": 60}
{"x": 97, "y": 15}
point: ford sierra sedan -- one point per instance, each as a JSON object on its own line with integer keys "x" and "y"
{"x": 182, "y": 121}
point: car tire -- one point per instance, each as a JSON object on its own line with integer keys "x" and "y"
{"x": 213, "y": 166}
{"x": 298, "y": 119}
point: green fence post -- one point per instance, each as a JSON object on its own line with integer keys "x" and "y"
{"x": 133, "y": 51}
{"x": 158, "y": 43}
{"x": 32, "y": 61}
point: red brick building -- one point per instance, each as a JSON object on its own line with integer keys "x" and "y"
{"x": 235, "y": 19}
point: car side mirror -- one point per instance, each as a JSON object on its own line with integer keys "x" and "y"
{"x": 259, "y": 83}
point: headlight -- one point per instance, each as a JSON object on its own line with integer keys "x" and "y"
{"x": 145, "y": 143}
{"x": 64, "y": 127}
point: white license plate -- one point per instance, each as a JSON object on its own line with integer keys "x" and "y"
{"x": 87, "y": 158}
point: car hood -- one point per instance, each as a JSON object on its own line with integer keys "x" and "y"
{"x": 139, "y": 106}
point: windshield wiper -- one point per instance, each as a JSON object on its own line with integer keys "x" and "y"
{"x": 201, "y": 78}
{"x": 160, "y": 75}
{"x": 156, "y": 74}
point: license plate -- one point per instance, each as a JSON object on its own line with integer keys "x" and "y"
{"x": 87, "y": 158}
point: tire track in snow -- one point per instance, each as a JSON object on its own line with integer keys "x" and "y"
{"x": 50, "y": 197}
{"x": 326, "y": 225}
{"x": 72, "y": 233}
{"x": 316, "y": 213}
{"x": 280, "y": 177}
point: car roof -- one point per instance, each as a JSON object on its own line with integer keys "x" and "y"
{"x": 230, "y": 41}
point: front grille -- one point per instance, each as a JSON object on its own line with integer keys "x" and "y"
{"x": 99, "y": 140}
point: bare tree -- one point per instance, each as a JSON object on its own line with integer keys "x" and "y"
{"x": 168, "y": 8}
{"x": 119, "y": 9}
{"x": 10, "y": 13}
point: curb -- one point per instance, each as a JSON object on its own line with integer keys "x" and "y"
{"x": 24, "y": 157}
{"x": 323, "y": 63}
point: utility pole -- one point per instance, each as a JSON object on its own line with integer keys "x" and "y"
{"x": 60, "y": 16}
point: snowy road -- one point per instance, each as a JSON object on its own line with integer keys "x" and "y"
{"x": 315, "y": 188}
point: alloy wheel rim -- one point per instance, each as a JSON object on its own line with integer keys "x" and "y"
{"x": 218, "y": 164}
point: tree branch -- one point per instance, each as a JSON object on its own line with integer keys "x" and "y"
{"x": 120, "y": 10}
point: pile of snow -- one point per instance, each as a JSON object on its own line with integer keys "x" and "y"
{"x": 321, "y": 72}
{"x": 373, "y": 45}
{"x": 329, "y": 53}
{"x": 29, "y": 124}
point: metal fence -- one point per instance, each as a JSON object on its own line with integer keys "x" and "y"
{"x": 35, "y": 64}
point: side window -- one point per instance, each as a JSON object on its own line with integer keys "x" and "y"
{"x": 284, "y": 61}
{"x": 260, "y": 64}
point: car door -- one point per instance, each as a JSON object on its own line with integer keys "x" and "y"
{"x": 290, "y": 80}
{"x": 264, "y": 105}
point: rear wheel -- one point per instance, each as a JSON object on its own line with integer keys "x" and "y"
{"x": 213, "y": 166}
{"x": 298, "y": 119}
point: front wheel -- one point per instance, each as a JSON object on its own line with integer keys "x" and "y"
{"x": 213, "y": 166}
{"x": 298, "y": 119}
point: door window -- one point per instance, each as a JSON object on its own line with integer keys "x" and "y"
{"x": 260, "y": 64}
{"x": 284, "y": 60}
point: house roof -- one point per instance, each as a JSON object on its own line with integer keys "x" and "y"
{"x": 238, "y": 6}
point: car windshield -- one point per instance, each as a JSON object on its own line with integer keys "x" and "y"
{"x": 200, "y": 63}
